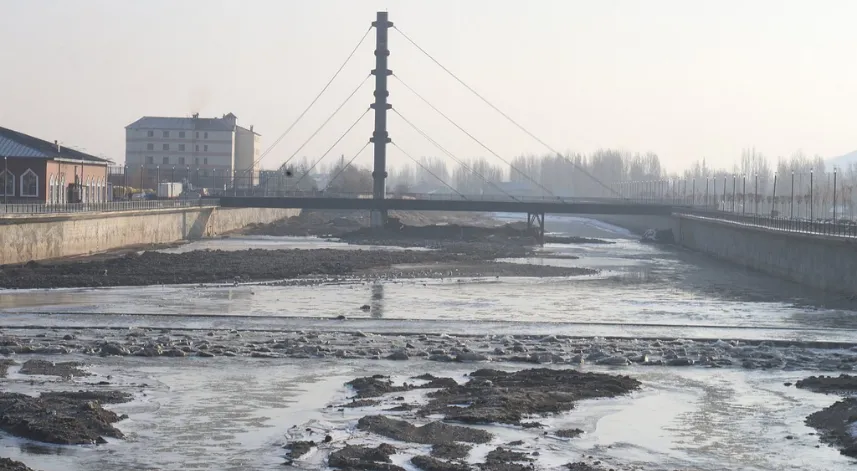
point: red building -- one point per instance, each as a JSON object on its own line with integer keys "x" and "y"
{"x": 33, "y": 170}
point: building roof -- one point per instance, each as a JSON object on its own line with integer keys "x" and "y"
{"x": 189, "y": 124}
{"x": 18, "y": 144}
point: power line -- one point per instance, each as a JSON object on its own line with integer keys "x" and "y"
{"x": 451, "y": 155}
{"x": 347, "y": 59}
{"x": 325, "y": 121}
{"x": 474, "y": 138}
{"x": 522, "y": 128}
{"x": 427, "y": 170}
{"x": 346, "y": 165}
{"x": 331, "y": 147}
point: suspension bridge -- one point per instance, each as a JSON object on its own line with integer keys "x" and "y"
{"x": 381, "y": 202}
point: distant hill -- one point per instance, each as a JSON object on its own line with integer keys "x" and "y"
{"x": 844, "y": 160}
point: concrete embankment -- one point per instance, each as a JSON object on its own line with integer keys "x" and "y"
{"x": 25, "y": 238}
{"x": 826, "y": 263}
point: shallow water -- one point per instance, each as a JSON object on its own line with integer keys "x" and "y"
{"x": 234, "y": 413}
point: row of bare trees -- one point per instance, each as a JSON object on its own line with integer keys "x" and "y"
{"x": 798, "y": 185}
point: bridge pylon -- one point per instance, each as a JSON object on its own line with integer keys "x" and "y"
{"x": 380, "y": 137}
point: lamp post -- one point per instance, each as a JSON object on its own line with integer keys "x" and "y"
{"x": 756, "y": 197}
{"x": 774, "y": 198}
{"x": 744, "y": 195}
{"x": 834, "y": 195}
{"x": 173, "y": 175}
{"x": 5, "y": 179}
{"x": 811, "y": 214}
{"x": 734, "y": 183}
{"x": 792, "y": 205}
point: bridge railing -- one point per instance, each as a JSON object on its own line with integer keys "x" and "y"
{"x": 449, "y": 197}
{"x": 107, "y": 206}
{"x": 840, "y": 228}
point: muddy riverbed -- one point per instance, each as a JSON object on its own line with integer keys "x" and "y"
{"x": 652, "y": 360}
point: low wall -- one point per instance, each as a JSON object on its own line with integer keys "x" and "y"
{"x": 25, "y": 238}
{"x": 827, "y": 263}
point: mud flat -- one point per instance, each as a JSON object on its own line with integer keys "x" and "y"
{"x": 254, "y": 265}
{"x": 10, "y": 465}
{"x": 487, "y": 397}
{"x": 837, "y": 424}
{"x": 64, "y": 418}
{"x": 334, "y": 223}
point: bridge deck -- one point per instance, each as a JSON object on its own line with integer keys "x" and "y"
{"x": 545, "y": 207}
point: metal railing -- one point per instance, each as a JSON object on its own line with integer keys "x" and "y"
{"x": 107, "y": 206}
{"x": 840, "y": 228}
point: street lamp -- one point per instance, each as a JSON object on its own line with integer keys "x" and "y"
{"x": 792, "y": 204}
{"x": 811, "y": 217}
{"x": 5, "y": 179}
{"x": 834, "y": 195}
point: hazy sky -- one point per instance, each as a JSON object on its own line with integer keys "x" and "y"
{"x": 684, "y": 79}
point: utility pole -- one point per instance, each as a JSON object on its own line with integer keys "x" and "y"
{"x": 380, "y": 137}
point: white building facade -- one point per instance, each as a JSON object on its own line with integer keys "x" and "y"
{"x": 212, "y": 149}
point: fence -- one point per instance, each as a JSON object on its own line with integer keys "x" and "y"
{"x": 804, "y": 226}
{"x": 110, "y": 206}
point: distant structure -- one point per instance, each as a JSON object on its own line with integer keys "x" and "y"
{"x": 216, "y": 150}
{"x": 34, "y": 170}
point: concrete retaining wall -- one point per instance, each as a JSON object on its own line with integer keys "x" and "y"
{"x": 54, "y": 236}
{"x": 827, "y": 263}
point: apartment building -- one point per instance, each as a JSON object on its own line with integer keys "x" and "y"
{"x": 214, "y": 149}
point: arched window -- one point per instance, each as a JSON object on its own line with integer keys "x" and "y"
{"x": 7, "y": 183}
{"x": 63, "y": 190}
{"x": 29, "y": 183}
{"x": 52, "y": 193}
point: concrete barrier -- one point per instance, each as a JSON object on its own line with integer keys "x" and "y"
{"x": 25, "y": 238}
{"x": 827, "y": 263}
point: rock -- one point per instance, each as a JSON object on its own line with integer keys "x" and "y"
{"x": 829, "y": 384}
{"x": 681, "y": 361}
{"x": 451, "y": 451}
{"x": 433, "y": 433}
{"x": 568, "y": 433}
{"x": 470, "y": 357}
{"x": 47, "y": 368}
{"x": 68, "y": 337}
{"x": 533, "y": 391}
{"x": 365, "y": 307}
{"x": 835, "y": 424}
{"x": 299, "y": 448}
{"x": 65, "y": 418}
{"x": 427, "y": 463}
{"x": 7, "y": 464}
{"x": 399, "y": 356}
{"x": 365, "y": 458}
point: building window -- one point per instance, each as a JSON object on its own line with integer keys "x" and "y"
{"x": 181, "y": 134}
{"x": 197, "y": 147}
{"x": 166, "y": 134}
{"x": 151, "y": 133}
{"x": 205, "y": 135}
{"x": 166, "y": 147}
{"x": 150, "y": 160}
{"x": 196, "y": 161}
{"x": 29, "y": 183}
{"x": 181, "y": 160}
{"x": 166, "y": 161}
{"x": 8, "y": 183}
{"x": 205, "y": 148}
{"x": 181, "y": 147}
{"x": 150, "y": 147}
{"x": 205, "y": 161}
{"x": 197, "y": 134}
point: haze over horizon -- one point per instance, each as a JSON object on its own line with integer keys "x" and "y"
{"x": 685, "y": 80}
